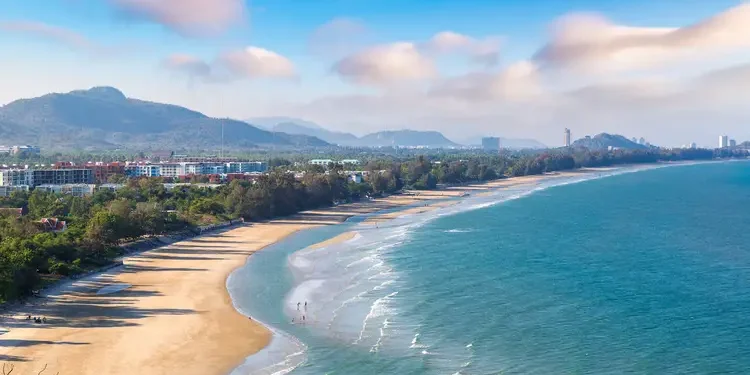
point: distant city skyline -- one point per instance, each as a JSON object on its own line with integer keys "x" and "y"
{"x": 669, "y": 71}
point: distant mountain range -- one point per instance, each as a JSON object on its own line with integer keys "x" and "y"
{"x": 604, "y": 141}
{"x": 103, "y": 117}
{"x": 400, "y": 138}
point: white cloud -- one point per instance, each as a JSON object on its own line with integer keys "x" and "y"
{"x": 247, "y": 63}
{"x": 586, "y": 42}
{"x": 188, "y": 17}
{"x": 519, "y": 81}
{"x": 256, "y": 62}
{"x": 385, "y": 65}
{"x": 52, "y": 33}
{"x": 485, "y": 51}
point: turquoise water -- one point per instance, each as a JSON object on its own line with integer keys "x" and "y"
{"x": 644, "y": 272}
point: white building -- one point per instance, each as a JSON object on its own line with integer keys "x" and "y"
{"x": 321, "y": 162}
{"x": 723, "y": 141}
{"x": 355, "y": 177}
{"x": 245, "y": 167}
{"x": 567, "y": 137}
{"x": 350, "y": 161}
{"x": 15, "y": 177}
{"x": 76, "y": 190}
{"x": 6, "y": 191}
{"x": 110, "y": 187}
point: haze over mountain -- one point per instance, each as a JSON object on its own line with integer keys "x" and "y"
{"x": 402, "y": 138}
{"x": 511, "y": 143}
{"x": 298, "y": 126}
{"x": 605, "y": 140}
{"x": 104, "y": 117}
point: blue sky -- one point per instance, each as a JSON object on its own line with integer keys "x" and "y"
{"x": 126, "y": 46}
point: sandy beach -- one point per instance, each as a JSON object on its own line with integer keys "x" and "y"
{"x": 167, "y": 311}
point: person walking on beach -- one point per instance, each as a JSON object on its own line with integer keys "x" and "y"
{"x": 305, "y": 305}
{"x": 297, "y": 306}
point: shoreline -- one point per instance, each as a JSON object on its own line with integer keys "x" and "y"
{"x": 162, "y": 308}
{"x": 260, "y": 361}
{"x": 166, "y": 317}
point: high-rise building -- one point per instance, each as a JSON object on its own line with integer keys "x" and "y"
{"x": 491, "y": 143}
{"x": 723, "y": 141}
{"x": 693, "y": 145}
{"x": 642, "y": 141}
{"x": 567, "y": 137}
{"x": 732, "y": 143}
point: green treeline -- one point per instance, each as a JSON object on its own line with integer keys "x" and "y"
{"x": 31, "y": 256}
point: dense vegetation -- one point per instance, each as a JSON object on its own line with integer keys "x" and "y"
{"x": 29, "y": 255}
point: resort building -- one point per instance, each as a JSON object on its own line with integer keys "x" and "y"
{"x": 321, "y": 162}
{"x": 6, "y": 191}
{"x": 246, "y": 167}
{"x": 16, "y": 177}
{"x": 350, "y": 162}
{"x": 76, "y": 190}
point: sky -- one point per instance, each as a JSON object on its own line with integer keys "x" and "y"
{"x": 672, "y": 71}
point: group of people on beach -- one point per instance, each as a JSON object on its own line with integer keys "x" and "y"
{"x": 303, "y": 314}
{"x": 37, "y": 319}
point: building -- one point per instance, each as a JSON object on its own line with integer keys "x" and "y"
{"x": 732, "y": 143}
{"x": 25, "y": 150}
{"x": 693, "y": 145}
{"x": 76, "y": 190}
{"x": 16, "y": 177}
{"x": 53, "y": 224}
{"x": 143, "y": 170}
{"x": 13, "y": 211}
{"x": 61, "y": 176}
{"x": 102, "y": 172}
{"x": 350, "y": 162}
{"x": 642, "y": 141}
{"x": 110, "y": 187}
{"x": 723, "y": 141}
{"x": 321, "y": 162}
{"x": 6, "y": 191}
{"x": 245, "y": 167}
{"x": 491, "y": 143}
{"x": 355, "y": 177}
{"x": 567, "y": 137}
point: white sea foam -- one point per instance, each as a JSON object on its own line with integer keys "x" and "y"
{"x": 458, "y": 231}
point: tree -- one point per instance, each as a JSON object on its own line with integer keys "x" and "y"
{"x": 103, "y": 228}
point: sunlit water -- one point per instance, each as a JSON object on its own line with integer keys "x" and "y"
{"x": 644, "y": 272}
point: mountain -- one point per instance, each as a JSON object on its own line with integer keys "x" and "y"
{"x": 605, "y": 140}
{"x": 337, "y": 138}
{"x": 511, "y": 143}
{"x": 104, "y": 117}
{"x": 406, "y": 138}
{"x": 402, "y": 138}
{"x": 269, "y": 123}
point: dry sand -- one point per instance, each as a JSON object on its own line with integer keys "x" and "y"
{"x": 176, "y": 317}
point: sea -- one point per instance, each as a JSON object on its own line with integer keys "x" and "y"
{"x": 639, "y": 270}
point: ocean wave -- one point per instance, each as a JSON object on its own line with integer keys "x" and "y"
{"x": 379, "y": 308}
{"x": 458, "y": 231}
